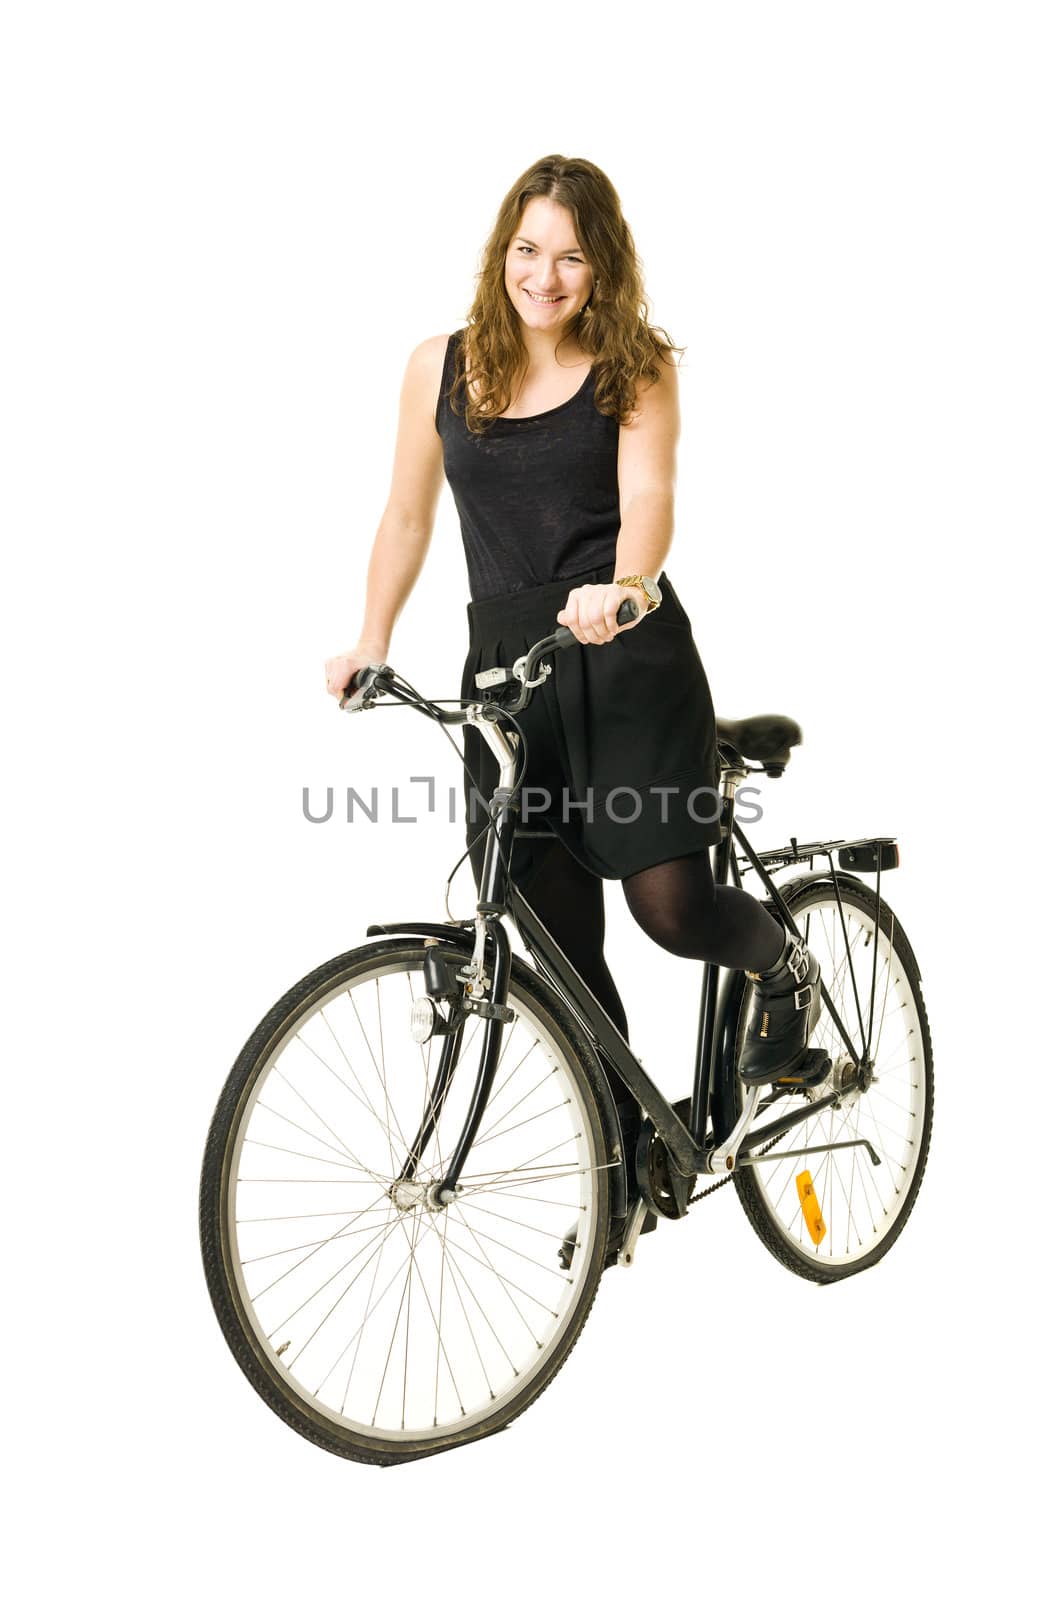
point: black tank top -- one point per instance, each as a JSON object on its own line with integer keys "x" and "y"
{"x": 536, "y": 496}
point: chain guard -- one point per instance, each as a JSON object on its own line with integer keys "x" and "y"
{"x": 666, "y": 1191}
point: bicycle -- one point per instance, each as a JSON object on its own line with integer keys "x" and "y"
{"x": 323, "y": 1223}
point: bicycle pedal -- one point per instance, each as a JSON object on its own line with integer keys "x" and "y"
{"x": 813, "y": 1070}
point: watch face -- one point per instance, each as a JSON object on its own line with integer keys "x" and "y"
{"x": 651, "y": 590}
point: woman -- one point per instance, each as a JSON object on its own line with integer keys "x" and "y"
{"x": 554, "y": 416}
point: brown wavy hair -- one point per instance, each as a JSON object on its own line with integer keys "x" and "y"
{"x": 612, "y": 326}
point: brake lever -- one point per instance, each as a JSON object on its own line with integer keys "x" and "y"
{"x": 367, "y": 688}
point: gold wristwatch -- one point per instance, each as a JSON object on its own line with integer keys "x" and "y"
{"x": 648, "y": 586}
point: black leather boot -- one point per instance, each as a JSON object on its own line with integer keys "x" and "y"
{"x": 784, "y": 1009}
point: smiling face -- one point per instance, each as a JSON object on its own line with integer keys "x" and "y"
{"x": 547, "y": 275}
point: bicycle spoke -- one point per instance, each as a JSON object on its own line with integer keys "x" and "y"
{"x": 381, "y": 1076}
{"x": 525, "y": 1121}
{"x": 507, "y": 1284}
{"x": 294, "y": 1090}
{"x": 456, "y": 1268}
{"x": 387, "y": 1230}
{"x": 303, "y": 1155}
{"x": 359, "y": 1338}
{"x": 396, "y": 1324}
{"x": 479, "y": 1234}
{"x": 293, "y": 1216}
{"x": 556, "y": 1238}
{"x": 289, "y": 1249}
{"x": 440, "y": 1343}
{"x": 487, "y": 1132}
{"x": 338, "y": 1234}
{"x": 347, "y": 1087}
{"x": 370, "y": 1313}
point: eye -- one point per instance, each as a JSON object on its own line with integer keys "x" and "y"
{"x": 527, "y": 249}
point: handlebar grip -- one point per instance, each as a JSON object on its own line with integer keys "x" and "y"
{"x": 627, "y": 611}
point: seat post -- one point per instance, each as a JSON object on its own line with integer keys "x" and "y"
{"x": 731, "y": 777}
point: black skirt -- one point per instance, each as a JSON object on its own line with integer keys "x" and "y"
{"x": 620, "y": 739}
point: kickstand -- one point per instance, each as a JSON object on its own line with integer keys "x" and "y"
{"x": 634, "y": 1228}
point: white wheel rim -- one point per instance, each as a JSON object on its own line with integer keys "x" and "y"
{"x": 406, "y": 1324}
{"x": 860, "y": 1203}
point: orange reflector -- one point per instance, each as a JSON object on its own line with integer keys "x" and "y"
{"x": 810, "y": 1207}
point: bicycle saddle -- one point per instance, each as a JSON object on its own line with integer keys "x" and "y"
{"x": 767, "y": 739}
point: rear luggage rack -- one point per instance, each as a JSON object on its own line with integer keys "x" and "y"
{"x": 855, "y": 855}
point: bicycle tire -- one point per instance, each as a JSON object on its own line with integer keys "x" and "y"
{"x": 538, "y": 1010}
{"x": 813, "y": 893}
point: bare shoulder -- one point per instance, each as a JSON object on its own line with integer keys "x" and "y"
{"x": 657, "y": 399}
{"x": 426, "y": 362}
{"x": 431, "y": 353}
{"x": 667, "y": 383}
{"x": 423, "y": 373}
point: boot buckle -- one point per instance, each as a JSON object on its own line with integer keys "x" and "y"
{"x": 798, "y": 963}
{"x": 803, "y": 997}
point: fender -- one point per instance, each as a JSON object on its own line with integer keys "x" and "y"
{"x": 793, "y": 886}
{"x": 850, "y": 878}
{"x": 460, "y": 936}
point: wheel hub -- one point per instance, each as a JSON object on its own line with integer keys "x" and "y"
{"x": 406, "y": 1196}
{"x": 847, "y": 1079}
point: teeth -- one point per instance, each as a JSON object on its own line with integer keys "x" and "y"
{"x": 544, "y": 299}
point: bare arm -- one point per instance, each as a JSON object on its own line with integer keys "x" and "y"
{"x": 646, "y": 477}
{"x": 646, "y": 482}
{"x": 404, "y": 533}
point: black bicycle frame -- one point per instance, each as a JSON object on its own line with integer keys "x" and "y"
{"x": 689, "y": 1147}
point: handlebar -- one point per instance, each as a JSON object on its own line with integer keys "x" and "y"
{"x": 369, "y": 682}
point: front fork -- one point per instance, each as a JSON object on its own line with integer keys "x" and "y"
{"x": 480, "y": 986}
{"x": 466, "y": 995}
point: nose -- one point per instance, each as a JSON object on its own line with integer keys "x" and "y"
{"x": 547, "y": 276}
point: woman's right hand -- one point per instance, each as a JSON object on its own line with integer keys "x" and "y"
{"x": 342, "y": 669}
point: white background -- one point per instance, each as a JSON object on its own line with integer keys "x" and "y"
{"x": 227, "y": 225}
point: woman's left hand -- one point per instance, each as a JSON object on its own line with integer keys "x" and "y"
{"x": 590, "y": 612}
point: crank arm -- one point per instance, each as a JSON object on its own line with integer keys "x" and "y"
{"x": 723, "y": 1158}
{"x": 770, "y": 1130}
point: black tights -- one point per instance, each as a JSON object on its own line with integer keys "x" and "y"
{"x": 677, "y": 903}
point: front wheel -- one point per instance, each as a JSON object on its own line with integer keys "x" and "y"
{"x": 871, "y": 974}
{"x": 375, "y": 1324}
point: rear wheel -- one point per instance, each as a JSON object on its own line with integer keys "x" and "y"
{"x": 872, "y": 977}
{"x": 377, "y": 1324}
